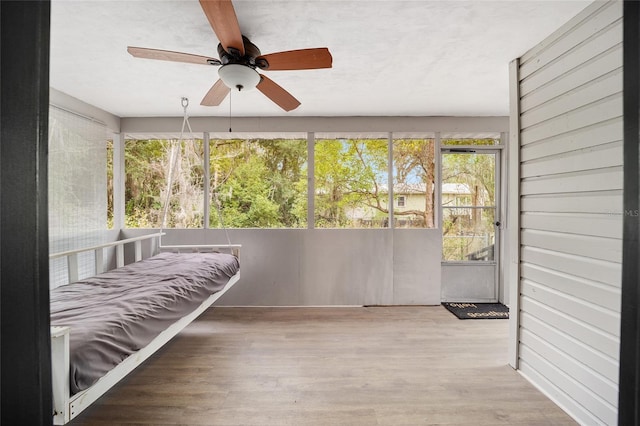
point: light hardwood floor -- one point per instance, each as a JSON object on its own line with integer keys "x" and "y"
{"x": 329, "y": 366}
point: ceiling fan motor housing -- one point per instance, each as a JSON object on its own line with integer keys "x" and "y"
{"x": 250, "y": 58}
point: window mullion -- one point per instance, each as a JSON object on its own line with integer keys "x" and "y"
{"x": 310, "y": 180}
{"x": 390, "y": 179}
{"x": 207, "y": 178}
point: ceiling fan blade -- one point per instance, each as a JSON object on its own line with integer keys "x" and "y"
{"x": 277, "y": 94}
{"x": 303, "y": 59}
{"x": 167, "y": 55}
{"x": 216, "y": 94}
{"x": 223, "y": 20}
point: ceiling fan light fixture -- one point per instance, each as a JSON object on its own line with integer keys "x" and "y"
{"x": 239, "y": 77}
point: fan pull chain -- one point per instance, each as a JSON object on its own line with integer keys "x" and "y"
{"x": 230, "y": 95}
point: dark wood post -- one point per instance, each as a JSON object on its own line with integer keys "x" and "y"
{"x": 24, "y": 253}
{"x": 629, "y": 388}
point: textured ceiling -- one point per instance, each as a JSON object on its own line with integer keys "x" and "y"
{"x": 390, "y": 58}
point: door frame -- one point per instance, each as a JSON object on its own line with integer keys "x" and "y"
{"x": 499, "y": 201}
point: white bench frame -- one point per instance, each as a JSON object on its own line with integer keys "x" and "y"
{"x": 67, "y": 406}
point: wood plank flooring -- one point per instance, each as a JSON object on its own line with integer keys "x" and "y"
{"x": 329, "y": 366}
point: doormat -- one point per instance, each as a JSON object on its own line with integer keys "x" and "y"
{"x": 478, "y": 310}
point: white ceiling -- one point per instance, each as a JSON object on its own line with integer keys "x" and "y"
{"x": 390, "y": 58}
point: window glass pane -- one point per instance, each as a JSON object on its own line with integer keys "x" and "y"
{"x": 109, "y": 184}
{"x": 149, "y": 167}
{"x": 258, "y": 183}
{"x": 413, "y": 182}
{"x": 468, "y": 206}
{"x": 468, "y": 233}
{"x": 468, "y": 179}
{"x": 351, "y": 183}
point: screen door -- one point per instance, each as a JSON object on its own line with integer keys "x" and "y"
{"x": 470, "y": 225}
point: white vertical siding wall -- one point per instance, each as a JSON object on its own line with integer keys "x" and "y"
{"x": 570, "y": 167}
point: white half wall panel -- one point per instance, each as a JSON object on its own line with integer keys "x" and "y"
{"x": 317, "y": 267}
{"x": 569, "y": 116}
{"x": 416, "y": 271}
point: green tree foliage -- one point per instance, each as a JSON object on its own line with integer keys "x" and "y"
{"x": 145, "y": 175}
{"x": 149, "y": 166}
{"x": 351, "y": 180}
{"x": 109, "y": 184}
{"x": 249, "y": 205}
{"x": 259, "y": 183}
{"x": 286, "y": 162}
{"x": 348, "y": 176}
{"x": 263, "y": 183}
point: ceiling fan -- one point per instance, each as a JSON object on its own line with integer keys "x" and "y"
{"x": 239, "y": 58}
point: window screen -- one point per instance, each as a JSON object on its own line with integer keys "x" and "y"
{"x": 77, "y": 189}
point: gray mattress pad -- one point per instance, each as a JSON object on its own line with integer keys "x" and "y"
{"x": 116, "y": 313}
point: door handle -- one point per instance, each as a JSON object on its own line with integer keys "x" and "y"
{"x": 498, "y": 223}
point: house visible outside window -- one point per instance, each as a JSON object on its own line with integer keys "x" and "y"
{"x": 260, "y": 181}
{"x": 414, "y": 178}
